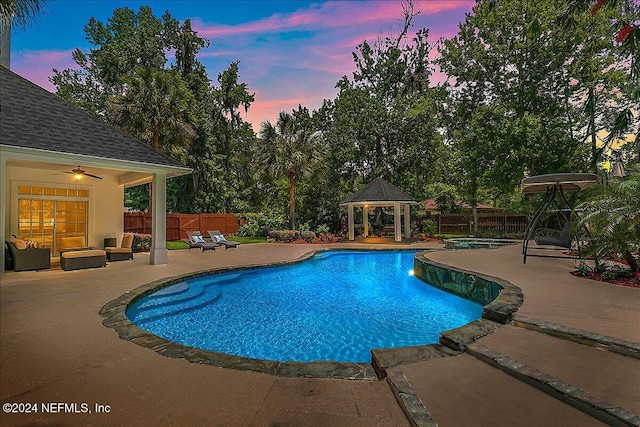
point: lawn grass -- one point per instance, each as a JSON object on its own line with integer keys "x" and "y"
{"x": 178, "y": 244}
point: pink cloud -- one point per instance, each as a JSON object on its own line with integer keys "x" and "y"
{"x": 37, "y": 66}
{"x": 327, "y": 15}
{"x": 287, "y": 59}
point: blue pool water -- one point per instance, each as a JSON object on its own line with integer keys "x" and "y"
{"x": 335, "y": 306}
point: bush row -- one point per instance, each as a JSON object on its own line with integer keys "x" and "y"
{"x": 288, "y": 236}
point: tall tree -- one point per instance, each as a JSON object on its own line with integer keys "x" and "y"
{"x": 156, "y": 107}
{"x": 510, "y": 56}
{"x": 230, "y": 131}
{"x": 127, "y": 41}
{"x": 386, "y": 116}
{"x": 291, "y": 148}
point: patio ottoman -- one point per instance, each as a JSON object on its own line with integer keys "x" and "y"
{"x": 89, "y": 258}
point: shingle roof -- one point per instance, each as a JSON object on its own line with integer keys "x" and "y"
{"x": 31, "y": 117}
{"x": 379, "y": 190}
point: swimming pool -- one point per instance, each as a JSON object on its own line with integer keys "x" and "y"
{"x": 334, "y": 306}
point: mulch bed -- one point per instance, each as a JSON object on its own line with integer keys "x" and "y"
{"x": 631, "y": 282}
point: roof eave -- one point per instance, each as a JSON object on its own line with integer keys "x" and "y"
{"x": 33, "y": 154}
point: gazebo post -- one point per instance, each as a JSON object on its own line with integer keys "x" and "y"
{"x": 365, "y": 220}
{"x": 397, "y": 223}
{"x": 350, "y": 223}
{"x": 407, "y": 221}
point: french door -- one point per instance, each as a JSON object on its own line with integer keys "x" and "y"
{"x": 47, "y": 219}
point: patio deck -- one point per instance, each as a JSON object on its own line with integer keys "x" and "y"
{"x": 53, "y": 348}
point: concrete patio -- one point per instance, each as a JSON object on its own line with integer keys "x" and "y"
{"x": 54, "y": 348}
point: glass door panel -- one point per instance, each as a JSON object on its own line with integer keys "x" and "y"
{"x": 48, "y": 221}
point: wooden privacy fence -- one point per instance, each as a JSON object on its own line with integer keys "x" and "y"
{"x": 504, "y": 224}
{"x": 178, "y": 224}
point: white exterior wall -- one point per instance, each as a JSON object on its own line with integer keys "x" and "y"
{"x": 106, "y": 200}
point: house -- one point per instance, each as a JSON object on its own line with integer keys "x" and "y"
{"x": 63, "y": 171}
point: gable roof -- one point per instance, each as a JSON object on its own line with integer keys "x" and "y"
{"x": 33, "y": 118}
{"x": 378, "y": 190}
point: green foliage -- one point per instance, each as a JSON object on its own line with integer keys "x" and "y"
{"x": 285, "y": 236}
{"x": 21, "y": 12}
{"x": 445, "y": 195}
{"x": 156, "y": 108}
{"x": 125, "y": 78}
{"x": 427, "y": 227}
{"x": 531, "y": 83}
{"x": 291, "y": 149}
{"x": 307, "y": 236}
{"x": 141, "y": 242}
{"x": 259, "y": 224}
{"x": 612, "y": 215}
{"x": 290, "y": 236}
{"x": 137, "y": 198}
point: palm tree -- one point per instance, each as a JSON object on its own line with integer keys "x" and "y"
{"x": 613, "y": 217}
{"x": 157, "y": 108}
{"x": 291, "y": 150}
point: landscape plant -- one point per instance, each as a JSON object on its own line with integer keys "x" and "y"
{"x": 612, "y": 215}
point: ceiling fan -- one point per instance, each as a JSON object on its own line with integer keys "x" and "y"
{"x": 77, "y": 172}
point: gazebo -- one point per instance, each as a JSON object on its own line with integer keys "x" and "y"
{"x": 380, "y": 193}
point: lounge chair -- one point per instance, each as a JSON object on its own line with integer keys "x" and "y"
{"x": 219, "y": 238}
{"x": 196, "y": 239}
{"x": 123, "y": 252}
{"x": 563, "y": 239}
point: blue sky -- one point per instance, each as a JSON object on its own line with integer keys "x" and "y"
{"x": 290, "y": 52}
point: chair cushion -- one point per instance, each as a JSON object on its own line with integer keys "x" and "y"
{"x": 114, "y": 250}
{"x": 83, "y": 254}
{"x": 197, "y": 239}
{"x": 18, "y": 243}
{"x": 32, "y": 244}
{"x": 127, "y": 241}
{"x": 72, "y": 242}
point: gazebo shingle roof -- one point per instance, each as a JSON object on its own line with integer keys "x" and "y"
{"x": 26, "y": 110}
{"x": 378, "y": 190}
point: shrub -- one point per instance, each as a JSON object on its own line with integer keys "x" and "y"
{"x": 308, "y": 236}
{"x": 141, "y": 243}
{"x": 259, "y": 224}
{"x": 429, "y": 227}
{"x": 322, "y": 229}
{"x": 285, "y": 236}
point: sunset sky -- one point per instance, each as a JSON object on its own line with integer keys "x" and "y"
{"x": 290, "y": 52}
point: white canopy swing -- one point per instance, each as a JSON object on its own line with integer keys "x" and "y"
{"x": 553, "y": 186}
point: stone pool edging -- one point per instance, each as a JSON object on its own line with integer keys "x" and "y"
{"x": 500, "y": 298}
{"x": 114, "y": 317}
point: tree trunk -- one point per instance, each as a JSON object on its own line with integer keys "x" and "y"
{"x": 292, "y": 200}
{"x": 474, "y": 212}
{"x": 633, "y": 264}
{"x": 156, "y": 138}
{"x": 592, "y": 126}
